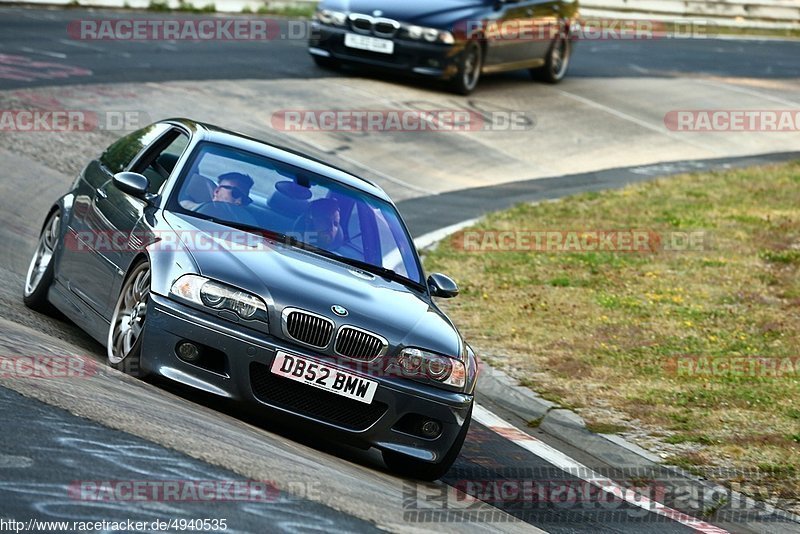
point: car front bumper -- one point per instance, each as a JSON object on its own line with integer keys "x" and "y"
{"x": 244, "y": 375}
{"x": 417, "y": 57}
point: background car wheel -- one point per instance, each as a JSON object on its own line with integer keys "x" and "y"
{"x": 417, "y": 469}
{"x": 469, "y": 69}
{"x": 125, "y": 334}
{"x": 41, "y": 270}
{"x": 327, "y": 63}
{"x": 557, "y": 60}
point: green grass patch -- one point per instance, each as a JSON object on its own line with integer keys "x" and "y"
{"x": 608, "y": 329}
{"x": 298, "y": 11}
{"x": 158, "y": 6}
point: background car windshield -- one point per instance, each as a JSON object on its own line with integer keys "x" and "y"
{"x": 239, "y": 187}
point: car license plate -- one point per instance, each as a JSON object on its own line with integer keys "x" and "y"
{"x": 373, "y": 44}
{"x": 322, "y": 376}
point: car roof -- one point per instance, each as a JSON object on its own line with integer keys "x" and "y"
{"x": 208, "y": 132}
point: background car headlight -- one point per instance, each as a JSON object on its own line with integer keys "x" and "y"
{"x": 335, "y": 18}
{"x": 432, "y": 35}
{"x": 211, "y": 294}
{"x": 436, "y": 367}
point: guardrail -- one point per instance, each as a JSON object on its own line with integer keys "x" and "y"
{"x": 767, "y": 14}
{"x": 762, "y": 14}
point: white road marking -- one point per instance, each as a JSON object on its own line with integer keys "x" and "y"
{"x": 751, "y": 92}
{"x": 637, "y": 68}
{"x": 78, "y": 44}
{"x": 757, "y": 38}
{"x": 14, "y": 462}
{"x": 577, "y": 469}
{"x": 432, "y": 237}
{"x": 644, "y": 124}
{"x": 57, "y": 55}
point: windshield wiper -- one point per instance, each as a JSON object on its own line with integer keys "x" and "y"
{"x": 389, "y": 274}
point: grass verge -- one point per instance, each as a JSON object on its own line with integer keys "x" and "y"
{"x": 700, "y": 347}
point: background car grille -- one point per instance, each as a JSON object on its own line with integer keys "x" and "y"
{"x": 309, "y": 329}
{"x": 313, "y": 402}
{"x": 384, "y": 29}
{"x": 358, "y": 345}
{"x": 361, "y": 23}
{"x": 380, "y": 27}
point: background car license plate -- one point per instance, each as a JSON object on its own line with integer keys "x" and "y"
{"x": 324, "y": 377}
{"x": 373, "y": 44}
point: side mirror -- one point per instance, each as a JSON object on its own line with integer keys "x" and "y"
{"x": 132, "y": 183}
{"x": 442, "y": 286}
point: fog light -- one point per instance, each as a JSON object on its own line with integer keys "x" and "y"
{"x": 431, "y": 429}
{"x": 188, "y": 352}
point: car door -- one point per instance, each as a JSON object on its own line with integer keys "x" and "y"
{"x": 158, "y": 163}
{"x": 503, "y": 47}
{"x": 543, "y": 17}
{"x": 102, "y": 218}
{"x": 520, "y": 33}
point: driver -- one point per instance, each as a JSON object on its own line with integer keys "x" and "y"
{"x": 324, "y": 224}
{"x": 233, "y": 188}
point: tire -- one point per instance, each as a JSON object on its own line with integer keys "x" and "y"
{"x": 327, "y": 63}
{"x": 469, "y": 69}
{"x": 41, "y": 271}
{"x": 557, "y": 60}
{"x": 124, "y": 346}
{"x": 420, "y": 470}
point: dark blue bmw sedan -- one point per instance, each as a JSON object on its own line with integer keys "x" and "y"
{"x": 452, "y": 40}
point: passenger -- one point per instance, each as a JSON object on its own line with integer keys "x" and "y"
{"x": 323, "y": 224}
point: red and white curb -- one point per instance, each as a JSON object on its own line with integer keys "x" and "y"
{"x": 573, "y": 467}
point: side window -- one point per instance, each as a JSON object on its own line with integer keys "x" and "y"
{"x": 158, "y": 163}
{"x": 119, "y": 155}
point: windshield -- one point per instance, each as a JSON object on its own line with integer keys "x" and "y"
{"x": 244, "y": 189}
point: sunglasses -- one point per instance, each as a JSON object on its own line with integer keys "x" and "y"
{"x": 235, "y": 191}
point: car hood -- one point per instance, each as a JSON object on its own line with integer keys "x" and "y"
{"x": 442, "y": 14}
{"x": 286, "y": 276}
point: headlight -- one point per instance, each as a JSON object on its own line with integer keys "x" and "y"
{"x": 423, "y": 364}
{"x": 432, "y": 35}
{"x": 210, "y": 294}
{"x": 326, "y": 16}
{"x": 447, "y": 38}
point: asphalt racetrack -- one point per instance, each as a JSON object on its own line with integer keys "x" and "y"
{"x": 604, "y": 126}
